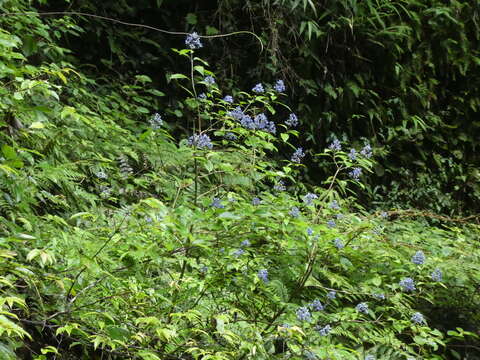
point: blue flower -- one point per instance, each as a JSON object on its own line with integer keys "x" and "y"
{"x": 407, "y": 284}
{"x": 324, "y": 331}
{"x": 292, "y": 120}
{"x": 303, "y": 314}
{"x": 334, "y": 205}
{"x": 436, "y": 275}
{"x": 379, "y": 296}
{"x": 258, "y": 88}
{"x": 294, "y": 212}
{"x": 200, "y": 141}
{"x": 384, "y": 214}
{"x": 101, "y": 175}
{"x": 366, "y": 151}
{"x": 209, "y": 80}
{"x": 193, "y": 41}
{"x": 418, "y": 258}
{"x": 355, "y": 173}
{"x": 228, "y": 99}
{"x": 238, "y": 252}
{"x": 369, "y": 357}
{"x": 332, "y": 295}
{"x": 338, "y": 243}
{"x": 279, "y": 86}
{"x": 202, "y": 96}
{"x": 280, "y": 186}
{"x": 352, "y": 155}
{"x": 204, "y": 269}
{"x": 362, "y": 307}
{"x": 256, "y": 201}
{"x": 418, "y": 318}
{"x": 308, "y": 199}
{"x": 316, "y": 305}
{"x": 263, "y": 275}
{"x": 247, "y": 122}
{"x": 245, "y": 243}
{"x": 335, "y": 145}
{"x": 156, "y": 121}
{"x": 298, "y": 155}
{"x": 331, "y": 223}
{"x": 217, "y": 203}
{"x": 236, "y": 113}
{"x": 230, "y": 136}
{"x": 309, "y": 231}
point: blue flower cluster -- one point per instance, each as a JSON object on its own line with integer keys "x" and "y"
{"x": 367, "y": 151}
{"x": 436, "y": 275}
{"x": 228, "y": 99}
{"x": 352, "y": 154}
{"x": 156, "y": 121}
{"x": 362, "y": 307}
{"x": 259, "y": 122}
{"x": 355, "y": 173}
{"x": 292, "y": 120}
{"x": 331, "y": 223}
{"x": 202, "y": 96}
{"x": 418, "y": 258}
{"x": 200, "y": 141}
{"x": 324, "y": 331}
{"x": 331, "y": 295}
{"x": 258, "y": 88}
{"x": 238, "y": 252}
{"x": 216, "y": 203}
{"x": 280, "y": 186}
{"x": 279, "y": 86}
{"x": 298, "y": 155}
{"x": 334, "y": 205}
{"x": 263, "y": 275}
{"x": 209, "y": 80}
{"x": 256, "y": 201}
{"x": 316, "y": 305}
{"x": 338, "y": 243}
{"x": 230, "y": 136}
{"x": 245, "y": 243}
{"x": 294, "y": 212}
{"x": 379, "y": 296}
{"x": 303, "y": 314}
{"x": 308, "y": 199}
{"x": 418, "y": 318}
{"x": 193, "y": 41}
{"x": 407, "y": 284}
{"x": 309, "y": 231}
{"x": 335, "y": 145}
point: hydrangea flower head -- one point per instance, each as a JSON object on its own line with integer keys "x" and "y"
{"x": 418, "y": 258}
{"x": 362, "y": 307}
{"x": 292, "y": 120}
{"x": 303, "y": 314}
{"x": 298, "y": 155}
{"x": 308, "y": 199}
{"x": 335, "y": 145}
{"x": 279, "y": 86}
{"x": 263, "y": 275}
{"x": 418, "y": 318}
{"x": 193, "y": 41}
{"x": 436, "y": 275}
{"x": 200, "y": 141}
{"x": 407, "y": 284}
{"x": 156, "y": 121}
{"x": 228, "y": 99}
{"x": 258, "y": 88}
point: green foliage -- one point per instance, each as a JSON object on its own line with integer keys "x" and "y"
{"x": 121, "y": 240}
